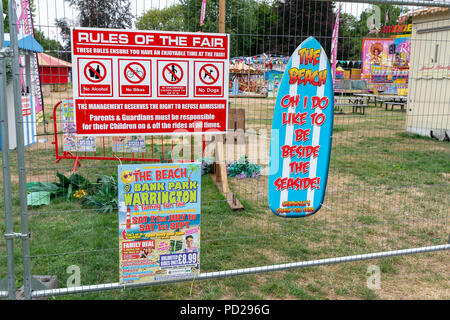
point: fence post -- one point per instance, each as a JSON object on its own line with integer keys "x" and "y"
{"x": 20, "y": 149}
{"x": 4, "y": 52}
{"x": 221, "y": 172}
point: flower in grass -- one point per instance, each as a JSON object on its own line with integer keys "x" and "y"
{"x": 256, "y": 174}
{"x": 241, "y": 175}
{"x": 79, "y": 194}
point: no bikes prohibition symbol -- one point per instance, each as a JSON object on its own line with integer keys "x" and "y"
{"x": 95, "y": 73}
{"x": 134, "y": 72}
{"x": 172, "y": 73}
{"x": 209, "y": 74}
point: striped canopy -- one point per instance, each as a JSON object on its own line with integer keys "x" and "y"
{"x": 26, "y": 43}
{"x": 46, "y": 60}
{"x": 422, "y": 12}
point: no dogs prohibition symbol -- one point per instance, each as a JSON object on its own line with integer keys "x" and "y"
{"x": 172, "y": 73}
{"x": 209, "y": 74}
{"x": 134, "y": 72}
{"x": 95, "y": 71}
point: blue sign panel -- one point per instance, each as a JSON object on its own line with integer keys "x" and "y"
{"x": 301, "y": 133}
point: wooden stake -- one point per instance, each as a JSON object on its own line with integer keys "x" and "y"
{"x": 221, "y": 171}
{"x": 220, "y": 177}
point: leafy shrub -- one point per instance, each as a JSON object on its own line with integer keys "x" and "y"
{"x": 101, "y": 195}
{"x": 243, "y": 169}
{"x": 104, "y": 196}
{"x": 64, "y": 188}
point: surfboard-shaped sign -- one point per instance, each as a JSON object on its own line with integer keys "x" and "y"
{"x": 302, "y": 127}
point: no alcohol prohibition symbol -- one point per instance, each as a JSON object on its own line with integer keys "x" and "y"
{"x": 95, "y": 71}
{"x": 95, "y": 77}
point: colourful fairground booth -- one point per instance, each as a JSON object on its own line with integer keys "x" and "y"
{"x": 245, "y": 79}
{"x": 28, "y": 46}
{"x": 385, "y": 64}
{"x": 256, "y": 76}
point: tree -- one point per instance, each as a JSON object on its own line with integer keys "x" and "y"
{"x": 103, "y": 14}
{"x": 296, "y": 21}
{"x": 52, "y": 47}
{"x": 96, "y": 13}
{"x": 349, "y": 46}
{"x": 370, "y": 17}
{"x": 245, "y": 20}
{"x": 5, "y": 11}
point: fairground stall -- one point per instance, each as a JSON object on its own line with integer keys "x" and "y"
{"x": 245, "y": 79}
{"x": 430, "y": 74}
{"x": 257, "y": 76}
{"x": 55, "y": 73}
{"x": 385, "y": 64}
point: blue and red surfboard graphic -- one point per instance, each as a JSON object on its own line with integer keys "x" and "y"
{"x": 301, "y": 133}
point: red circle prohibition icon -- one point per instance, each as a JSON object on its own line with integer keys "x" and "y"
{"x": 94, "y": 74}
{"x": 207, "y": 75}
{"x": 134, "y": 72}
{"x": 174, "y": 72}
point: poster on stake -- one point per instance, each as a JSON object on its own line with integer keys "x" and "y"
{"x": 301, "y": 133}
{"x": 159, "y": 221}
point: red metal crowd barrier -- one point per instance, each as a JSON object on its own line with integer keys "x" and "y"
{"x": 141, "y": 156}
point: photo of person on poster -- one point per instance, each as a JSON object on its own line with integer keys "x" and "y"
{"x": 145, "y": 253}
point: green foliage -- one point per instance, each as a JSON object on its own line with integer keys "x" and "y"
{"x": 247, "y": 21}
{"x": 52, "y": 47}
{"x": 51, "y": 187}
{"x": 101, "y": 195}
{"x": 243, "y": 169}
{"x": 73, "y": 183}
{"x": 206, "y": 166}
{"x": 112, "y": 14}
{"x": 352, "y": 30}
{"x": 103, "y": 14}
{"x": 297, "y": 20}
{"x": 64, "y": 188}
{"x": 167, "y": 19}
{"x": 5, "y": 11}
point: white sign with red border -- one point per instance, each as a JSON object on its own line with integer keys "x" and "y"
{"x": 173, "y": 78}
{"x": 149, "y": 82}
{"x": 95, "y": 77}
{"x": 135, "y": 77}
